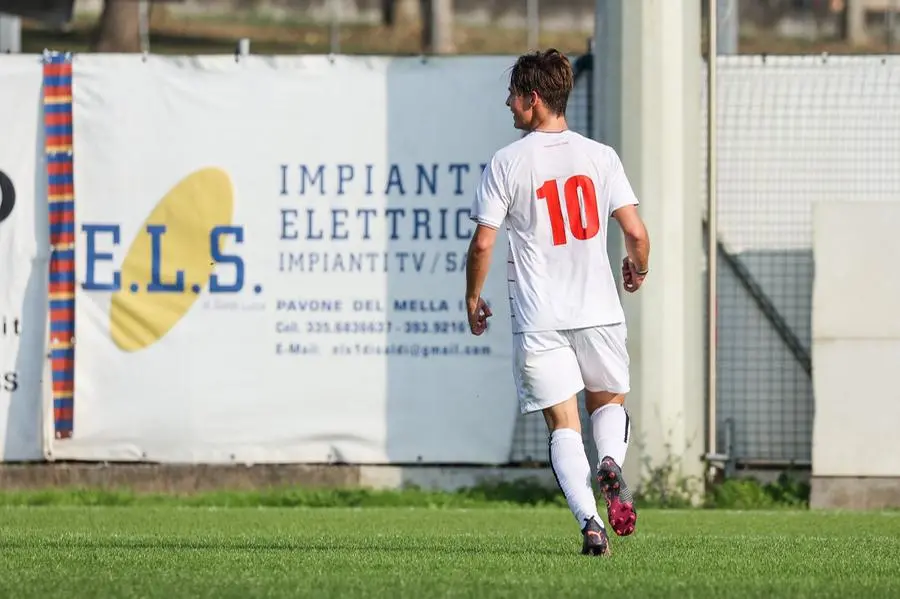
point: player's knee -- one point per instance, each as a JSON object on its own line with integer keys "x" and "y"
{"x": 594, "y": 400}
{"x": 563, "y": 415}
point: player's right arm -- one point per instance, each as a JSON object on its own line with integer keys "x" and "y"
{"x": 637, "y": 246}
{"x": 623, "y": 207}
{"x": 637, "y": 240}
{"x": 489, "y": 211}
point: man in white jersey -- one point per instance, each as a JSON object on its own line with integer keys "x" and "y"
{"x": 555, "y": 191}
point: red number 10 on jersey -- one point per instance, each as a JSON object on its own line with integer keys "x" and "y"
{"x": 584, "y": 218}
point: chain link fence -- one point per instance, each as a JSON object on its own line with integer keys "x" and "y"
{"x": 792, "y": 130}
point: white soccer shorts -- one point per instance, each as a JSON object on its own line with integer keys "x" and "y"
{"x": 549, "y": 367}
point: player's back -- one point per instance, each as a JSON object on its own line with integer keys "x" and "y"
{"x": 562, "y": 189}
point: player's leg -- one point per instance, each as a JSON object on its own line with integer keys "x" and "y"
{"x": 573, "y": 473}
{"x": 610, "y": 423}
{"x": 547, "y": 378}
{"x": 611, "y": 427}
{"x": 604, "y": 362}
{"x": 569, "y": 460}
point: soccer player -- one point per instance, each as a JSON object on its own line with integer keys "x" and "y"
{"x": 550, "y": 189}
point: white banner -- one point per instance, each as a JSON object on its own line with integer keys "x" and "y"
{"x": 23, "y": 258}
{"x": 270, "y": 258}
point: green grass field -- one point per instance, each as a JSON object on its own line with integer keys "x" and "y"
{"x": 169, "y": 551}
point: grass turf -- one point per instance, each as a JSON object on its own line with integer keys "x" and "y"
{"x": 167, "y": 551}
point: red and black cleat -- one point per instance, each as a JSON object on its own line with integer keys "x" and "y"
{"x": 619, "y": 502}
{"x": 596, "y": 542}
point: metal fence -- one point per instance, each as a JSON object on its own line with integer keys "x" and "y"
{"x": 764, "y": 406}
{"x": 792, "y": 130}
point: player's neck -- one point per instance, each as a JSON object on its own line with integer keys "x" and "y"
{"x": 550, "y": 124}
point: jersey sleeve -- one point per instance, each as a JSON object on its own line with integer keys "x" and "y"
{"x": 620, "y": 191}
{"x": 491, "y": 197}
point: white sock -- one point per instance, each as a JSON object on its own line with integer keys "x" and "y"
{"x": 612, "y": 430}
{"x": 573, "y": 473}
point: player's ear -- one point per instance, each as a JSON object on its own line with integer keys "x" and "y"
{"x": 533, "y": 99}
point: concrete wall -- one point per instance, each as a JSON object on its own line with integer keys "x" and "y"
{"x": 856, "y": 346}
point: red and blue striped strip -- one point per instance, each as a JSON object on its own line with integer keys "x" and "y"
{"x": 58, "y": 147}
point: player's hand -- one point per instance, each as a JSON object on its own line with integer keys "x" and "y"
{"x": 630, "y": 277}
{"x": 479, "y": 312}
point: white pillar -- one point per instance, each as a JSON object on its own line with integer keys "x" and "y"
{"x": 649, "y": 108}
{"x": 10, "y": 34}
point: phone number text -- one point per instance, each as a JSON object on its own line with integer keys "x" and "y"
{"x": 351, "y": 327}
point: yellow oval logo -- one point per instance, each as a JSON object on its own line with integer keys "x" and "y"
{"x": 180, "y": 226}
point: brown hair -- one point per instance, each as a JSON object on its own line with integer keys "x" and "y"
{"x": 548, "y": 73}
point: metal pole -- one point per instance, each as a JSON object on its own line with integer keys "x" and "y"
{"x": 534, "y": 24}
{"x": 889, "y": 24}
{"x": 590, "y": 90}
{"x": 144, "y": 25}
{"x": 335, "y": 31}
{"x": 727, "y": 27}
{"x": 10, "y": 34}
{"x": 712, "y": 227}
{"x": 856, "y": 22}
{"x": 608, "y": 78}
{"x": 442, "y": 26}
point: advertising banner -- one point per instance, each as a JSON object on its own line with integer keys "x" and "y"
{"x": 23, "y": 258}
{"x": 270, "y": 261}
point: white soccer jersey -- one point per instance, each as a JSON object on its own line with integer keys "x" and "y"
{"x": 555, "y": 193}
